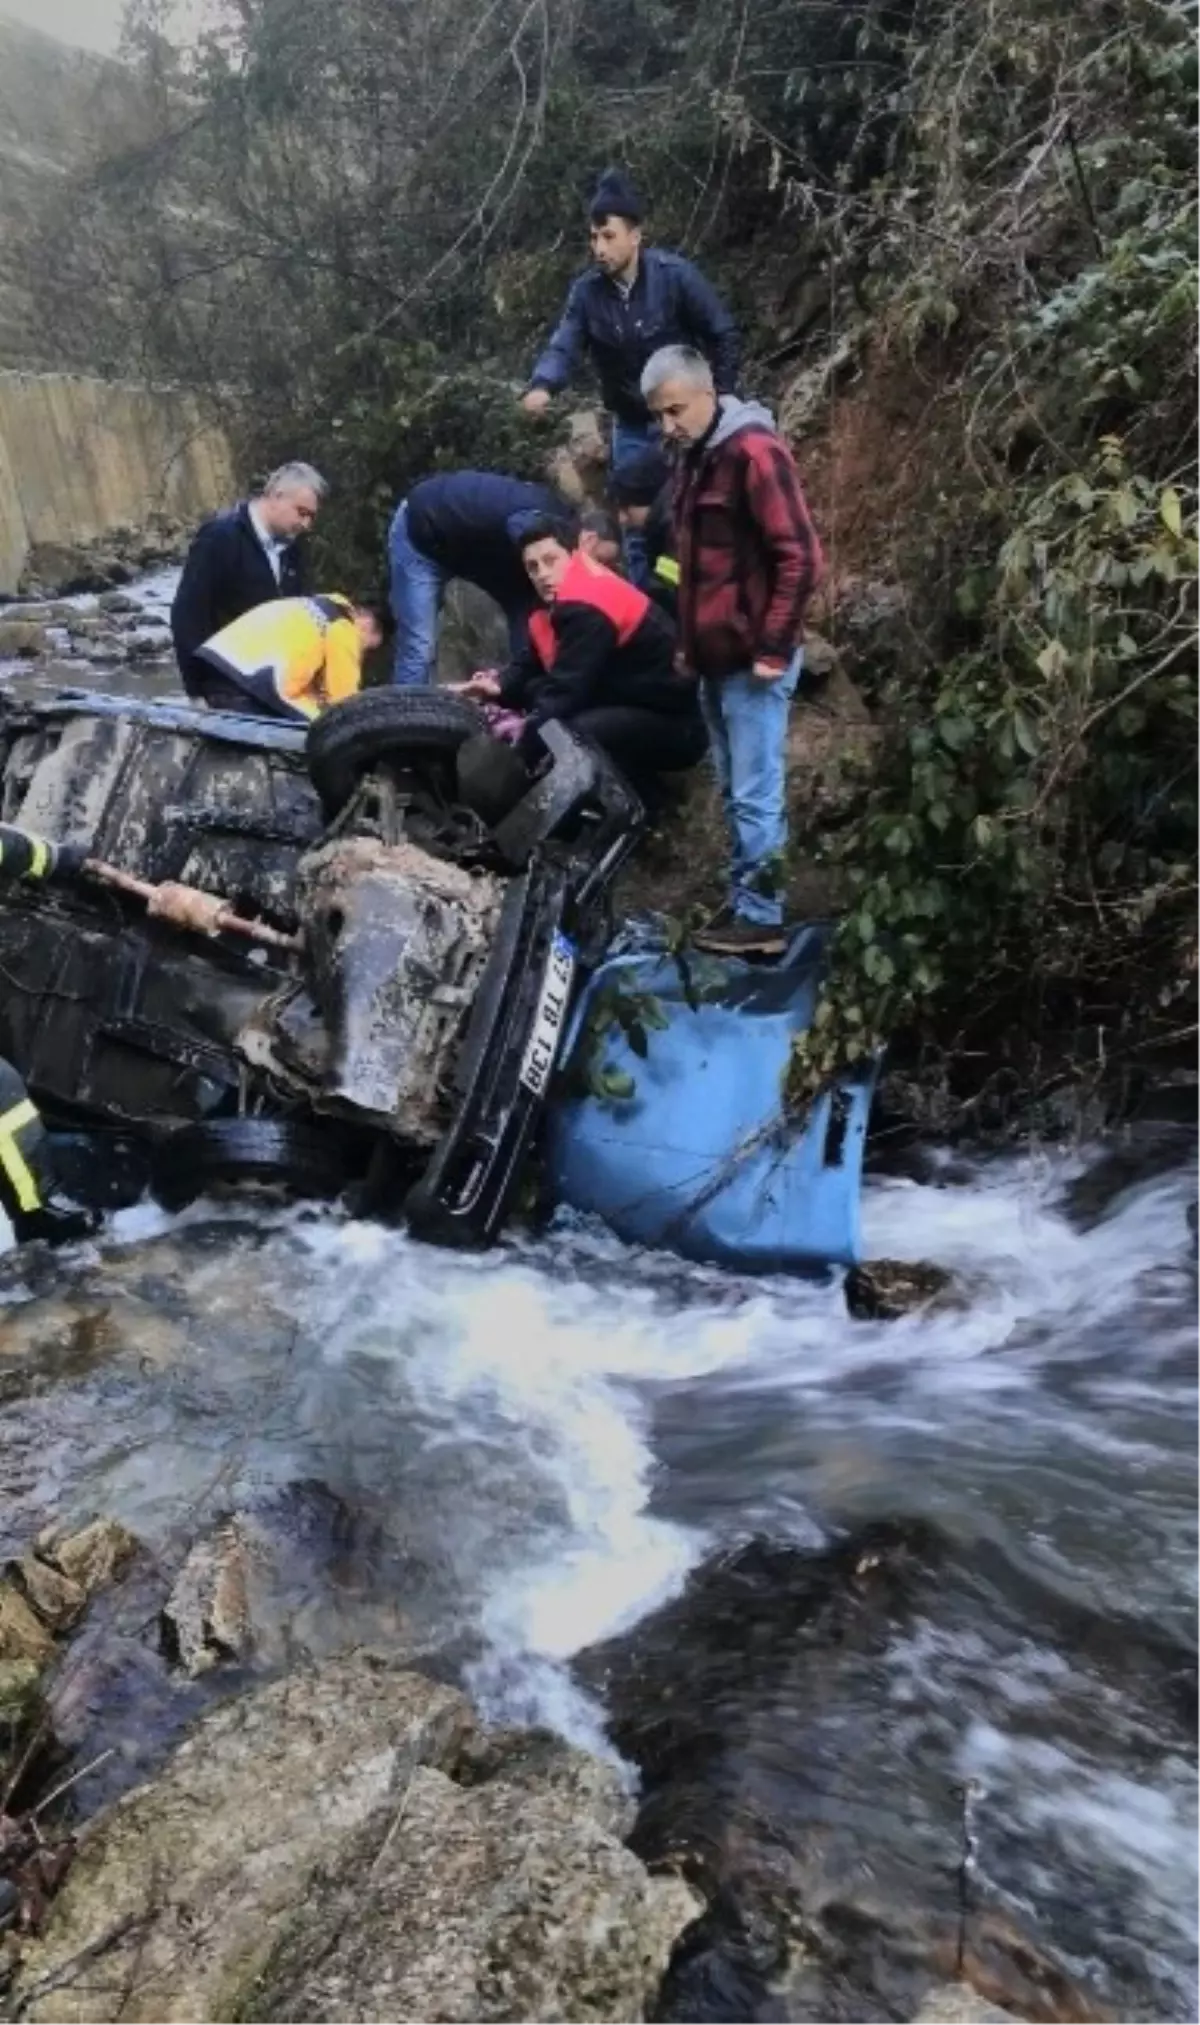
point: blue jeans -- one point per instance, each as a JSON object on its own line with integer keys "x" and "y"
{"x": 747, "y": 729}
{"x": 418, "y": 585}
{"x": 416, "y": 591}
{"x": 629, "y": 439}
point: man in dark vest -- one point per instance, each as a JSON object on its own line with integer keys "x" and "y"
{"x": 240, "y": 559}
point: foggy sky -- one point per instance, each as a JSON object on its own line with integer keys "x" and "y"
{"x": 90, "y": 24}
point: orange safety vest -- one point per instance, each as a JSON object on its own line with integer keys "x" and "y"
{"x": 587, "y": 582}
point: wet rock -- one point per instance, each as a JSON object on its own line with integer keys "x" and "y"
{"x": 67, "y": 568}
{"x": 884, "y": 1289}
{"x": 97, "y": 1555}
{"x": 24, "y": 1639}
{"x": 52, "y": 1596}
{"x": 118, "y": 601}
{"x": 57, "y": 1336}
{"x": 1005, "y": 1967}
{"x": 503, "y": 1901}
{"x": 311, "y": 1851}
{"x": 955, "y": 2004}
{"x": 1139, "y": 1153}
{"x": 43, "y": 613}
{"x": 206, "y": 1618}
{"x": 22, "y": 640}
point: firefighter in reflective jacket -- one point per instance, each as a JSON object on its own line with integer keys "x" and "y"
{"x": 292, "y": 656}
{"x": 27, "y": 1193}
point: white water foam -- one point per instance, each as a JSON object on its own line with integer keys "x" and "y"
{"x": 562, "y": 1373}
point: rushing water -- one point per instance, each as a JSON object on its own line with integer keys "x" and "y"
{"x": 534, "y": 1448}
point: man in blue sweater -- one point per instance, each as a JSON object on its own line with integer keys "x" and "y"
{"x": 633, "y": 300}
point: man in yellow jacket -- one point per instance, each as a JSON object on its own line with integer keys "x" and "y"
{"x": 292, "y": 657}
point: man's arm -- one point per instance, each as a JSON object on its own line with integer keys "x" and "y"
{"x": 561, "y": 358}
{"x": 586, "y": 639}
{"x": 193, "y": 609}
{"x": 25, "y": 856}
{"x": 777, "y": 503}
{"x": 711, "y": 326}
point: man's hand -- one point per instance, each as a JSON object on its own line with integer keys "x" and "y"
{"x": 484, "y": 685}
{"x": 536, "y": 401}
{"x": 768, "y": 671}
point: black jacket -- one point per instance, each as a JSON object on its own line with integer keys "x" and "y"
{"x": 226, "y": 574}
{"x": 464, "y": 521}
{"x": 670, "y": 303}
{"x": 576, "y": 660}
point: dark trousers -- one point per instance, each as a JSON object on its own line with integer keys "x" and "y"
{"x": 643, "y": 743}
{"x": 220, "y": 693}
{"x": 24, "y": 1149}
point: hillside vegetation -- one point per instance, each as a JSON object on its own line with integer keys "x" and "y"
{"x": 961, "y": 238}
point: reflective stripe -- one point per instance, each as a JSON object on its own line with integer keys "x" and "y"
{"x": 667, "y": 570}
{"x": 39, "y": 862}
{"x": 13, "y": 1161}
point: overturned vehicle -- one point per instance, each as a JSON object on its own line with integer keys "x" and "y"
{"x": 397, "y": 1035}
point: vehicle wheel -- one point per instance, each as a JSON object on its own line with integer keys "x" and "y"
{"x": 405, "y": 726}
{"x": 273, "y": 1152}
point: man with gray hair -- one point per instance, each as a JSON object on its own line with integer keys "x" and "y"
{"x": 749, "y": 560}
{"x": 243, "y": 558}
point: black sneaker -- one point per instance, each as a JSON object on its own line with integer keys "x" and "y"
{"x": 741, "y": 938}
{"x": 55, "y": 1223}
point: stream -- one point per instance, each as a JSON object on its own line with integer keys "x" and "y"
{"x": 508, "y": 1459}
{"x": 518, "y": 1465}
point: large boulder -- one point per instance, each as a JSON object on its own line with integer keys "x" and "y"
{"x": 346, "y": 1843}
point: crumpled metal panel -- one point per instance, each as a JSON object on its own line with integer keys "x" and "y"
{"x": 395, "y": 945}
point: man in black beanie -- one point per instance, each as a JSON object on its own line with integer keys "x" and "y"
{"x": 633, "y": 300}
{"x": 641, "y": 493}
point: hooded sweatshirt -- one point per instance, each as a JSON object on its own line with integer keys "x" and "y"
{"x": 748, "y": 554}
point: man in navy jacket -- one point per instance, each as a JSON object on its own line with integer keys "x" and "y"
{"x": 461, "y": 524}
{"x": 241, "y": 559}
{"x": 634, "y": 300}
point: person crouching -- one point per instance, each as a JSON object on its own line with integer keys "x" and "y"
{"x": 601, "y": 659}
{"x": 292, "y": 657}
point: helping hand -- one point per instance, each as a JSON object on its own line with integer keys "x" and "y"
{"x": 536, "y": 401}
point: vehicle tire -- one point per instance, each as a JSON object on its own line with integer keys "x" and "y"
{"x": 403, "y": 725}
{"x": 275, "y": 1152}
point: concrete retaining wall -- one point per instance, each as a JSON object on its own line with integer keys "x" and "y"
{"x": 81, "y": 457}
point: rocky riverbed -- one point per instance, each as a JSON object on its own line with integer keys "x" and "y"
{"x": 570, "y": 1632}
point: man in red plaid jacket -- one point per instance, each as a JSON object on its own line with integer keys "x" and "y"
{"x": 749, "y": 560}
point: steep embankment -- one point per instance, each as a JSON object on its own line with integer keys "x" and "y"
{"x": 56, "y": 106}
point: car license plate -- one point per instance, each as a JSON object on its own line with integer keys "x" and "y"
{"x": 551, "y": 1016}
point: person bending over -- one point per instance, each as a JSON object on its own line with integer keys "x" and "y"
{"x": 601, "y": 659}
{"x": 292, "y": 657}
{"x": 464, "y": 525}
{"x": 239, "y": 559}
